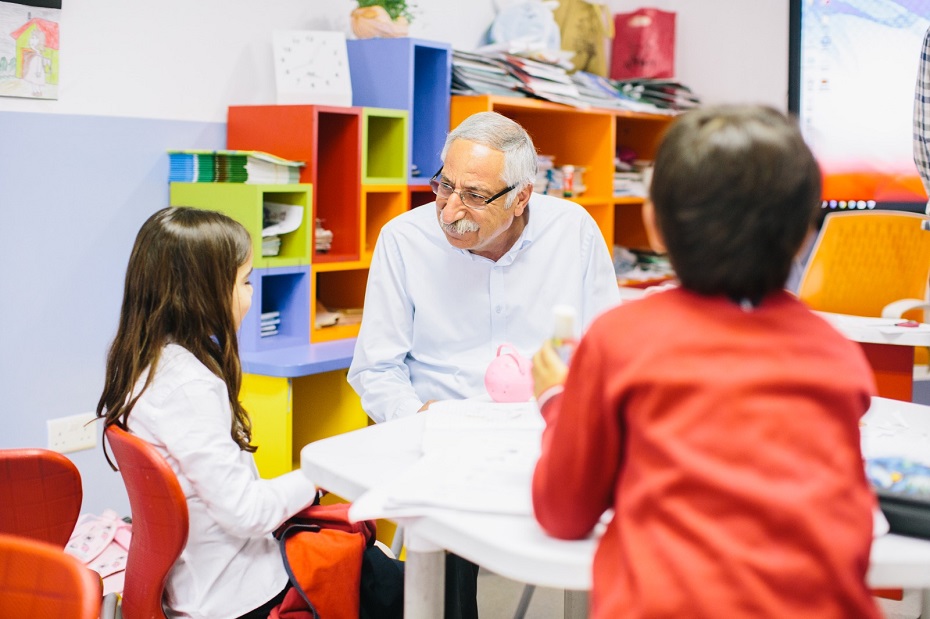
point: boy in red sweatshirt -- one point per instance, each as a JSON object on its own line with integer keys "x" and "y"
{"x": 718, "y": 420}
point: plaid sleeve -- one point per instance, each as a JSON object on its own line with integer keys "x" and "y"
{"x": 922, "y": 115}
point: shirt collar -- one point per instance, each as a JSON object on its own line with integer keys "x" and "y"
{"x": 523, "y": 241}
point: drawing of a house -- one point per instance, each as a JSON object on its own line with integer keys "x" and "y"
{"x": 37, "y": 37}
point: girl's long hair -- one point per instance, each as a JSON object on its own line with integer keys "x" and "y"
{"x": 179, "y": 289}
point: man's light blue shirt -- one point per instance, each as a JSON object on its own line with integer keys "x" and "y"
{"x": 435, "y": 314}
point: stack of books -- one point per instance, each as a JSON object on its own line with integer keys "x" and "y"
{"x": 662, "y": 93}
{"x": 629, "y": 184}
{"x": 232, "y": 166}
{"x": 474, "y": 74}
{"x": 277, "y": 220}
{"x": 322, "y": 238}
{"x": 496, "y": 72}
{"x": 629, "y": 174}
{"x": 544, "y": 80}
{"x": 270, "y": 323}
{"x": 192, "y": 166}
{"x": 599, "y": 91}
{"x": 544, "y": 163}
{"x": 271, "y": 245}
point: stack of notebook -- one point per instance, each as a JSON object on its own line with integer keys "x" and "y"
{"x": 232, "y": 166}
{"x": 270, "y": 323}
{"x": 481, "y": 74}
{"x": 663, "y": 93}
{"x": 497, "y": 72}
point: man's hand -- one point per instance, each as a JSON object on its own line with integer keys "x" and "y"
{"x": 548, "y": 369}
{"x": 425, "y": 406}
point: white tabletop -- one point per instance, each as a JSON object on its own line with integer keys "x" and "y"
{"x": 514, "y": 546}
{"x": 862, "y": 329}
{"x": 871, "y": 330}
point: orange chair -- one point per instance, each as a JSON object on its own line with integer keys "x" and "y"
{"x": 159, "y": 523}
{"x": 40, "y": 495}
{"x": 38, "y": 579}
{"x": 873, "y": 263}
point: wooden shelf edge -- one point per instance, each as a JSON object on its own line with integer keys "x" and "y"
{"x": 346, "y": 265}
{"x": 517, "y": 103}
{"x": 333, "y": 333}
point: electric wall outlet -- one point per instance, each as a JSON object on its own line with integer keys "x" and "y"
{"x": 74, "y": 433}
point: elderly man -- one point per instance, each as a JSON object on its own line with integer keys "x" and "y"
{"x": 451, "y": 281}
{"x": 482, "y": 266}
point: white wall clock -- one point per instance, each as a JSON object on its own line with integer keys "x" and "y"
{"x": 312, "y": 67}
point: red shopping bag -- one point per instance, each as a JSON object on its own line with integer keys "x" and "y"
{"x": 644, "y": 45}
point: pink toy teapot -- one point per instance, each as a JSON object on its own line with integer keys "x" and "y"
{"x": 509, "y": 376}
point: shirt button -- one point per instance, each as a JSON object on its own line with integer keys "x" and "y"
{"x": 498, "y": 309}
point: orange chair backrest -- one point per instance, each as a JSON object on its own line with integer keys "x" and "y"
{"x": 864, "y": 260}
{"x": 159, "y": 522}
{"x": 40, "y": 495}
{"x": 38, "y": 579}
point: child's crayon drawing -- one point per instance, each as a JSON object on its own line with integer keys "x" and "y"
{"x": 29, "y": 51}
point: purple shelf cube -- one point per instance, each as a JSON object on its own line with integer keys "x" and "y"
{"x": 285, "y": 290}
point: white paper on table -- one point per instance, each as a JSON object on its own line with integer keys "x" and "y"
{"x": 894, "y": 429}
{"x": 457, "y": 425}
{"x": 494, "y": 480}
{"x": 477, "y": 456}
{"x": 288, "y": 218}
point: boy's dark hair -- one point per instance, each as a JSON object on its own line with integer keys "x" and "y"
{"x": 735, "y": 191}
{"x": 179, "y": 288}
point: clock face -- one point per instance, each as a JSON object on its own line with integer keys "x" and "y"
{"x": 312, "y": 67}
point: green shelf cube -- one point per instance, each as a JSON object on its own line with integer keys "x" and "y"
{"x": 384, "y": 146}
{"x": 243, "y": 202}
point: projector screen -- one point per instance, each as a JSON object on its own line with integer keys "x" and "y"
{"x": 852, "y": 72}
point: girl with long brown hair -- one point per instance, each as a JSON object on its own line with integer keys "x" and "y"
{"x": 173, "y": 378}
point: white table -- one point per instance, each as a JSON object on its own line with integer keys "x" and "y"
{"x": 514, "y": 546}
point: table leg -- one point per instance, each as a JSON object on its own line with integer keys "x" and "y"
{"x": 576, "y": 604}
{"x": 424, "y": 578}
{"x": 893, "y": 367}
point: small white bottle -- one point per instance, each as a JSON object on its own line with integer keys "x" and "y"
{"x": 564, "y": 339}
{"x": 568, "y": 181}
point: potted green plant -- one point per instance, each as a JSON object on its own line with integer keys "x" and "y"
{"x": 381, "y": 18}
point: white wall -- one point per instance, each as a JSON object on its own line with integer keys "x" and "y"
{"x": 184, "y": 60}
{"x": 728, "y": 51}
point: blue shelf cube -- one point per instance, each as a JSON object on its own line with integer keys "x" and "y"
{"x": 285, "y": 290}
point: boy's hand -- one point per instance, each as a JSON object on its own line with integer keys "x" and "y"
{"x": 548, "y": 369}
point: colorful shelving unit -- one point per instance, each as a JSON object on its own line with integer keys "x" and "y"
{"x": 407, "y": 74}
{"x": 356, "y": 158}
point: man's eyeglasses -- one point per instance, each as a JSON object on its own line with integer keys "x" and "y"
{"x": 470, "y": 199}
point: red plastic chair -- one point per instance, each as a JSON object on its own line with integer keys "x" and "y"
{"x": 159, "y": 523}
{"x": 40, "y": 495}
{"x": 38, "y": 579}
